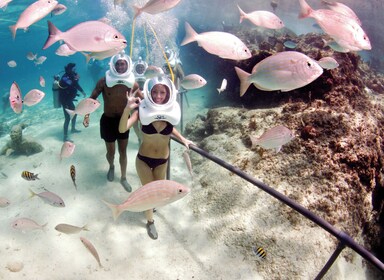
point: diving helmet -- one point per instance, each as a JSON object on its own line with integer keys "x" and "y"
{"x": 150, "y": 111}
{"x": 112, "y": 77}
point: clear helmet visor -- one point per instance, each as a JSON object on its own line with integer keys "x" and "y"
{"x": 163, "y": 80}
{"x": 115, "y": 59}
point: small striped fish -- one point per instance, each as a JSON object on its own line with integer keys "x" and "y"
{"x": 72, "y": 171}
{"x": 259, "y": 251}
{"x": 29, "y": 176}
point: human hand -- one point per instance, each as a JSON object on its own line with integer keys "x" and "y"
{"x": 187, "y": 142}
{"x": 132, "y": 101}
{"x": 86, "y": 121}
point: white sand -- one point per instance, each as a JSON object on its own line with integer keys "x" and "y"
{"x": 183, "y": 250}
{"x": 195, "y": 241}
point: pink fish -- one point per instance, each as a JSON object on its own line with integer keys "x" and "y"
{"x": 33, "y": 13}
{"x": 222, "y": 44}
{"x": 88, "y": 36}
{"x": 155, "y": 6}
{"x": 25, "y": 224}
{"x": 42, "y": 81}
{"x": 33, "y": 97}
{"x": 4, "y": 202}
{"x": 64, "y": 50}
{"x": 91, "y": 249}
{"x": 262, "y": 18}
{"x": 283, "y": 71}
{"x": 273, "y": 138}
{"x": 4, "y": 4}
{"x": 193, "y": 81}
{"x": 67, "y": 149}
{"x": 343, "y": 29}
{"x": 152, "y": 195}
{"x": 86, "y": 106}
{"x": 50, "y": 198}
{"x": 15, "y": 98}
{"x": 59, "y": 9}
{"x": 343, "y": 9}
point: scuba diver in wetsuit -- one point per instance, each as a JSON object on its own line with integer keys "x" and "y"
{"x": 68, "y": 87}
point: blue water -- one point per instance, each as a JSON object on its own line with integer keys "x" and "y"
{"x": 203, "y": 15}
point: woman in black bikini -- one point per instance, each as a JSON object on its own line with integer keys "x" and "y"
{"x": 158, "y": 114}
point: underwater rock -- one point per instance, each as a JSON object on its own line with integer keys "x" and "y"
{"x": 19, "y": 145}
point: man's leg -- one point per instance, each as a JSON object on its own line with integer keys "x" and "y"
{"x": 110, "y": 158}
{"x": 122, "y": 145}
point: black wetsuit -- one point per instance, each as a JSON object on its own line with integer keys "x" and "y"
{"x": 69, "y": 85}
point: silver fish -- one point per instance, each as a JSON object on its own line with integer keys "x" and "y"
{"x": 33, "y": 97}
{"x": 26, "y": 224}
{"x": 273, "y": 138}
{"x": 91, "y": 249}
{"x": 50, "y": 198}
{"x": 193, "y": 81}
{"x": 155, "y": 6}
{"x": 328, "y": 63}
{"x": 70, "y": 229}
{"x": 4, "y": 202}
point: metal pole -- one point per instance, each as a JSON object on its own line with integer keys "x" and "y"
{"x": 340, "y": 235}
{"x": 331, "y": 260}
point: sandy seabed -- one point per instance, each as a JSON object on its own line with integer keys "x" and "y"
{"x": 192, "y": 244}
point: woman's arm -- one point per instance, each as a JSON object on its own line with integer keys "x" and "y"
{"x": 185, "y": 141}
{"x": 125, "y": 121}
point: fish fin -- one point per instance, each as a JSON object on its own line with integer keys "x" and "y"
{"x": 190, "y": 34}
{"x": 87, "y": 57}
{"x": 85, "y": 228}
{"x": 242, "y": 14}
{"x": 13, "y": 29}
{"x": 53, "y": 31}
{"x": 243, "y": 77}
{"x": 44, "y": 227}
{"x": 277, "y": 149}
{"x": 305, "y": 9}
{"x": 71, "y": 113}
{"x": 115, "y": 209}
{"x": 32, "y": 193}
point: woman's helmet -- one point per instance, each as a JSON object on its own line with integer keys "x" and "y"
{"x": 115, "y": 58}
{"x": 150, "y": 111}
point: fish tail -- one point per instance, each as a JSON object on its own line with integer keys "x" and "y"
{"x": 243, "y": 77}
{"x": 115, "y": 209}
{"x": 53, "y": 31}
{"x": 242, "y": 14}
{"x": 190, "y": 34}
{"x": 70, "y": 112}
{"x": 137, "y": 11}
{"x": 32, "y": 193}
{"x": 305, "y": 9}
{"x": 13, "y": 29}
{"x": 219, "y": 90}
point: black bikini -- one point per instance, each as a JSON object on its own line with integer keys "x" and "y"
{"x": 150, "y": 129}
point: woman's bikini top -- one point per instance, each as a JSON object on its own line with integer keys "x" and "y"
{"x": 150, "y": 129}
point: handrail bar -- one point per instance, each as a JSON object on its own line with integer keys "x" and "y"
{"x": 340, "y": 235}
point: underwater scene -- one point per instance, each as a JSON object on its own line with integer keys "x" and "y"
{"x": 277, "y": 112}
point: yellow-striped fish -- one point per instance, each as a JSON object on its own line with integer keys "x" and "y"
{"x": 260, "y": 252}
{"x": 29, "y": 176}
{"x": 72, "y": 171}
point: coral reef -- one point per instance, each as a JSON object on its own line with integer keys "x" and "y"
{"x": 19, "y": 145}
{"x": 334, "y": 166}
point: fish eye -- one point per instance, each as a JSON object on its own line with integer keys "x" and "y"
{"x": 116, "y": 37}
{"x": 180, "y": 190}
{"x": 309, "y": 64}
